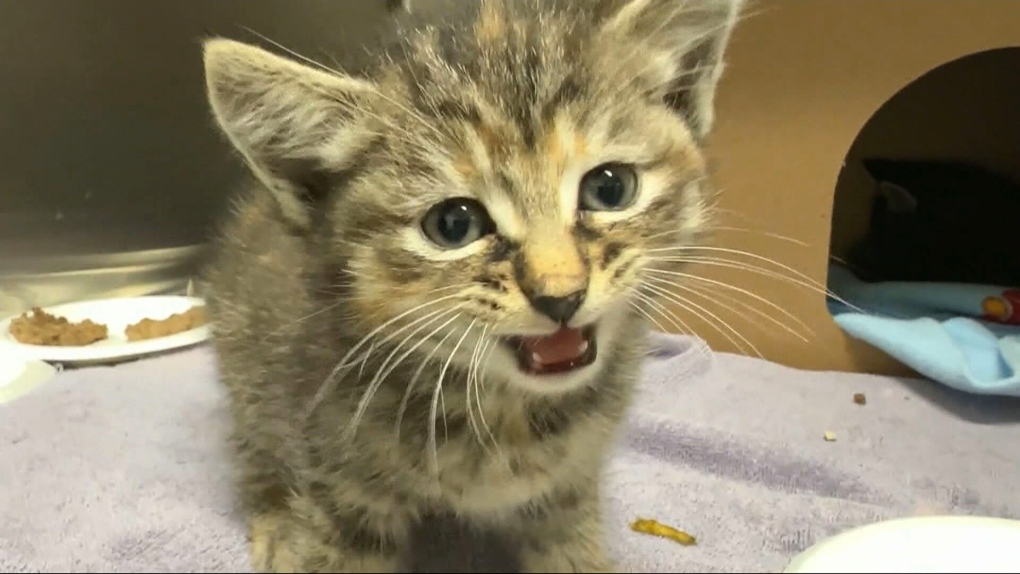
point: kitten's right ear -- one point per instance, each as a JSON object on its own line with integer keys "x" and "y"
{"x": 690, "y": 36}
{"x": 294, "y": 124}
{"x": 398, "y": 5}
{"x": 898, "y": 199}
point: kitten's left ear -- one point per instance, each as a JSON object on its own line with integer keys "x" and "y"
{"x": 295, "y": 125}
{"x": 398, "y": 6}
{"x": 898, "y": 199}
{"x": 690, "y": 36}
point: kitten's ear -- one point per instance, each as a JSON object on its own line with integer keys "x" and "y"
{"x": 295, "y": 125}
{"x": 398, "y": 5}
{"x": 898, "y": 199}
{"x": 690, "y": 36}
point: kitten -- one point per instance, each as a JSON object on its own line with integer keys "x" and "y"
{"x": 939, "y": 220}
{"x": 432, "y": 302}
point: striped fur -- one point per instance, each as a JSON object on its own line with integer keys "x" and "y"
{"x": 505, "y": 102}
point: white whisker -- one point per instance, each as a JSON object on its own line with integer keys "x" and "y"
{"x": 402, "y": 409}
{"x": 724, "y": 285}
{"x": 386, "y": 368}
{"x": 437, "y": 396}
{"x": 472, "y": 372}
{"x": 487, "y": 349}
{"x": 761, "y": 232}
{"x": 681, "y": 326}
{"x": 330, "y": 383}
{"x": 678, "y": 323}
{"x": 720, "y": 295}
{"x": 714, "y": 296}
{"x": 700, "y": 311}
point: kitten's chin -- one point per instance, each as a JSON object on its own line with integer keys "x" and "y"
{"x": 556, "y": 383}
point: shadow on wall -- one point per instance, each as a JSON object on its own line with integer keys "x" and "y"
{"x": 925, "y": 255}
{"x": 930, "y": 188}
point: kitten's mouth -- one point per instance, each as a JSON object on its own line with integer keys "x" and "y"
{"x": 565, "y": 350}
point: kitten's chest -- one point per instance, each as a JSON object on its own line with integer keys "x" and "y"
{"x": 529, "y": 435}
{"x": 516, "y": 458}
{"x": 505, "y": 441}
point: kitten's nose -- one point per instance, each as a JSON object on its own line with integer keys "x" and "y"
{"x": 559, "y": 309}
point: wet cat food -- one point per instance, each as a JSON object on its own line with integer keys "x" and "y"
{"x": 37, "y": 327}
{"x": 176, "y": 323}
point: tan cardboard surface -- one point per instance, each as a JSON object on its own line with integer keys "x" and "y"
{"x": 804, "y": 78}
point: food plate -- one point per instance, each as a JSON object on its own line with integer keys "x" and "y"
{"x": 923, "y": 544}
{"x": 18, "y": 376}
{"x": 116, "y": 314}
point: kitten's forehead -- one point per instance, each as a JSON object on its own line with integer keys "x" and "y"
{"x": 511, "y": 100}
{"x": 515, "y": 67}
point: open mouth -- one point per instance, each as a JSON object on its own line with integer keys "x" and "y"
{"x": 565, "y": 350}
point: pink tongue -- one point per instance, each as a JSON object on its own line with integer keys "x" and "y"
{"x": 563, "y": 345}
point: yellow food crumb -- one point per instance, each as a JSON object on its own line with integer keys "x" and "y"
{"x": 829, "y": 436}
{"x": 655, "y": 528}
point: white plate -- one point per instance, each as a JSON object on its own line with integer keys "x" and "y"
{"x": 116, "y": 314}
{"x": 923, "y": 544}
{"x": 18, "y": 376}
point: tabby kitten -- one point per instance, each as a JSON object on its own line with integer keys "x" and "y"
{"x": 428, "y": 303}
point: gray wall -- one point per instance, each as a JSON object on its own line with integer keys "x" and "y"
{"x": 111, "y": 173}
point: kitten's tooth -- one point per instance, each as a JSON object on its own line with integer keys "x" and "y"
{"x": 583, "y": 347}
{"x": 536, "y": 358}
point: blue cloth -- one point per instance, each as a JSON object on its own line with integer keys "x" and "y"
{"x": 964, "y": 336}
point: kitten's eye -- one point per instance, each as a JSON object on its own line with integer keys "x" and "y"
{"x": 608, "y": 187}
{"x": 457, "y": 222}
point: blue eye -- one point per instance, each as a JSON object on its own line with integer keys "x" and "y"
{"x": 457, "y": 222}
{"x": 608, "y": 187}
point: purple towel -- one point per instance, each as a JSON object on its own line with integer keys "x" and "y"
{"x": 121, "y": 469}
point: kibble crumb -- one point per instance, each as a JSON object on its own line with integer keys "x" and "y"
{"x": 860, "y": 399}
{"x": 829, "y": 436}
{"x": 656, "y": 528}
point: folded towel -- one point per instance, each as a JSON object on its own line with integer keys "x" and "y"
{"x": 964, "y": 336}
{"x": 124, "y": 469}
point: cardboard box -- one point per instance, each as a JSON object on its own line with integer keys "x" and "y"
{"x": 810, "y": 87}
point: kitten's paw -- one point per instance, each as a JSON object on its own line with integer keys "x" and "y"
{"x": 608, "y": 566}
{"x": 269, "y": 550}
{"x": 595, "y": 562}
{"x": 284, "y": 542}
